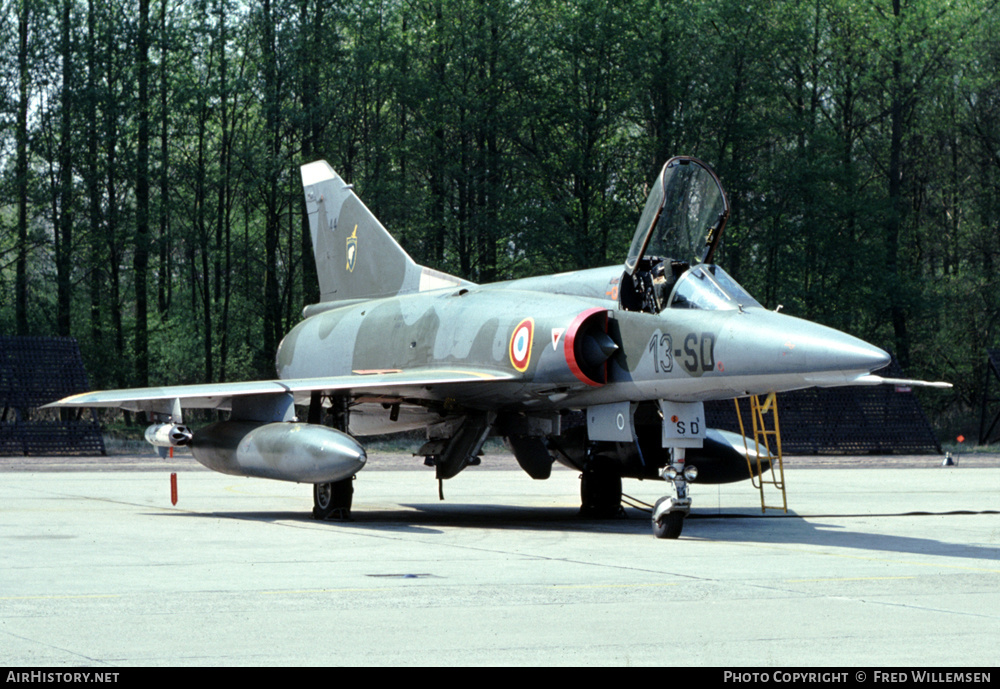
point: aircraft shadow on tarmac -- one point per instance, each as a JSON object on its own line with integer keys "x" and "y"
{"x": 434, "y": 518}
{"x": 795, "y": 529}
{"x": 735, "y": 526}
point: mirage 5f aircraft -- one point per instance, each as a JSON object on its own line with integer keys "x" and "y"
{"x": 603, "y": 370}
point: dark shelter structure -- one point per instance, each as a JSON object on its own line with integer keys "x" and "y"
{"x": 878, "y": 419}
{"x": 33, "y": 372}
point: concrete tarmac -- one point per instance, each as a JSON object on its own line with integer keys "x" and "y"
{"x": 872, "y": 566}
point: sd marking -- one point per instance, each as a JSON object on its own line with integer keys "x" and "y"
{"x": 682, "y": 428}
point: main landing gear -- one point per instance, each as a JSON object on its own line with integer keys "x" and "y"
{"x": 600, "y": 492}
{"x": 333, "y": 500}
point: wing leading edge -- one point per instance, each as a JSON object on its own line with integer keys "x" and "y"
{"x": 415, "y": 384}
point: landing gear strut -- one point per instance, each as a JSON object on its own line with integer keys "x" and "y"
{"x": 333, "y": 500}
{"x": 669, "y": 512}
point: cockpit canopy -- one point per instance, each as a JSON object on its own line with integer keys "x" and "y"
{"x": 684, "y": 217}
{"x": 681, "y": 226}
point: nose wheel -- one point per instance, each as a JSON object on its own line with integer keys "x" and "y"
{"x": 668, "y": 525}
{"x": 669, "y": 512}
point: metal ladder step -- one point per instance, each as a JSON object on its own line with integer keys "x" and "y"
{"x": 767, "y": 445}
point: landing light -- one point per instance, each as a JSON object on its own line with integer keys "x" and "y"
{"x": 690, "y": 473}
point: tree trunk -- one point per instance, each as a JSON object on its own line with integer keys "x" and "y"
{"x": 64, "y": 236}
{"x": 894, "y": 223}
{"x": 164, "y": 290}
{"x": 140, "y": 261}
{"x": 272, "y": 304}
{"x": 21, "y": 281}
{"x": 94, "y": 195}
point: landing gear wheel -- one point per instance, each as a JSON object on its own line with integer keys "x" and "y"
{"x": 333, "y": 500}
{"x": 669, "y": 525}
{"x": 600, "y": 494}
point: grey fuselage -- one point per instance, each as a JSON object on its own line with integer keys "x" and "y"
{"x": 678, "y": 354}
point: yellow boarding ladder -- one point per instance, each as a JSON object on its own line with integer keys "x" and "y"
{"x": 764, "y": 439}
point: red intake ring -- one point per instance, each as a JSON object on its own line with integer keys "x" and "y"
{"x": 595, "y": 319}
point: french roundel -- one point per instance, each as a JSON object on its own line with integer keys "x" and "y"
{"x": 520, "y": 344}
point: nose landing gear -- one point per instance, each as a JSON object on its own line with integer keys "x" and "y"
{"x": 669, "y": 512}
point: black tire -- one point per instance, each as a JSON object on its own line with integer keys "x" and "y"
{"x": 601, "y": 494}
{"x": 669, "y": 525}
{"x": 333, "y": 500}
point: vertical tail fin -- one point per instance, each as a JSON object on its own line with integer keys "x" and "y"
{"x": 356, "y": 257}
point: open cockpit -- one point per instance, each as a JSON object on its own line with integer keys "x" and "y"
{"x": 681, "y": 225}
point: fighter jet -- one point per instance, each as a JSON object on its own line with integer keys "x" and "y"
{"x": 604, "y": 370}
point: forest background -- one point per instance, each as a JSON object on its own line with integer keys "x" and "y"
{"x": 151, "y": 206}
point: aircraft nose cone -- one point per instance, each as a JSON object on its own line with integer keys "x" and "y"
{"x": 866, "y": 356}
{"x": 826, "y": 349}
{"x": 777, "y": 343}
